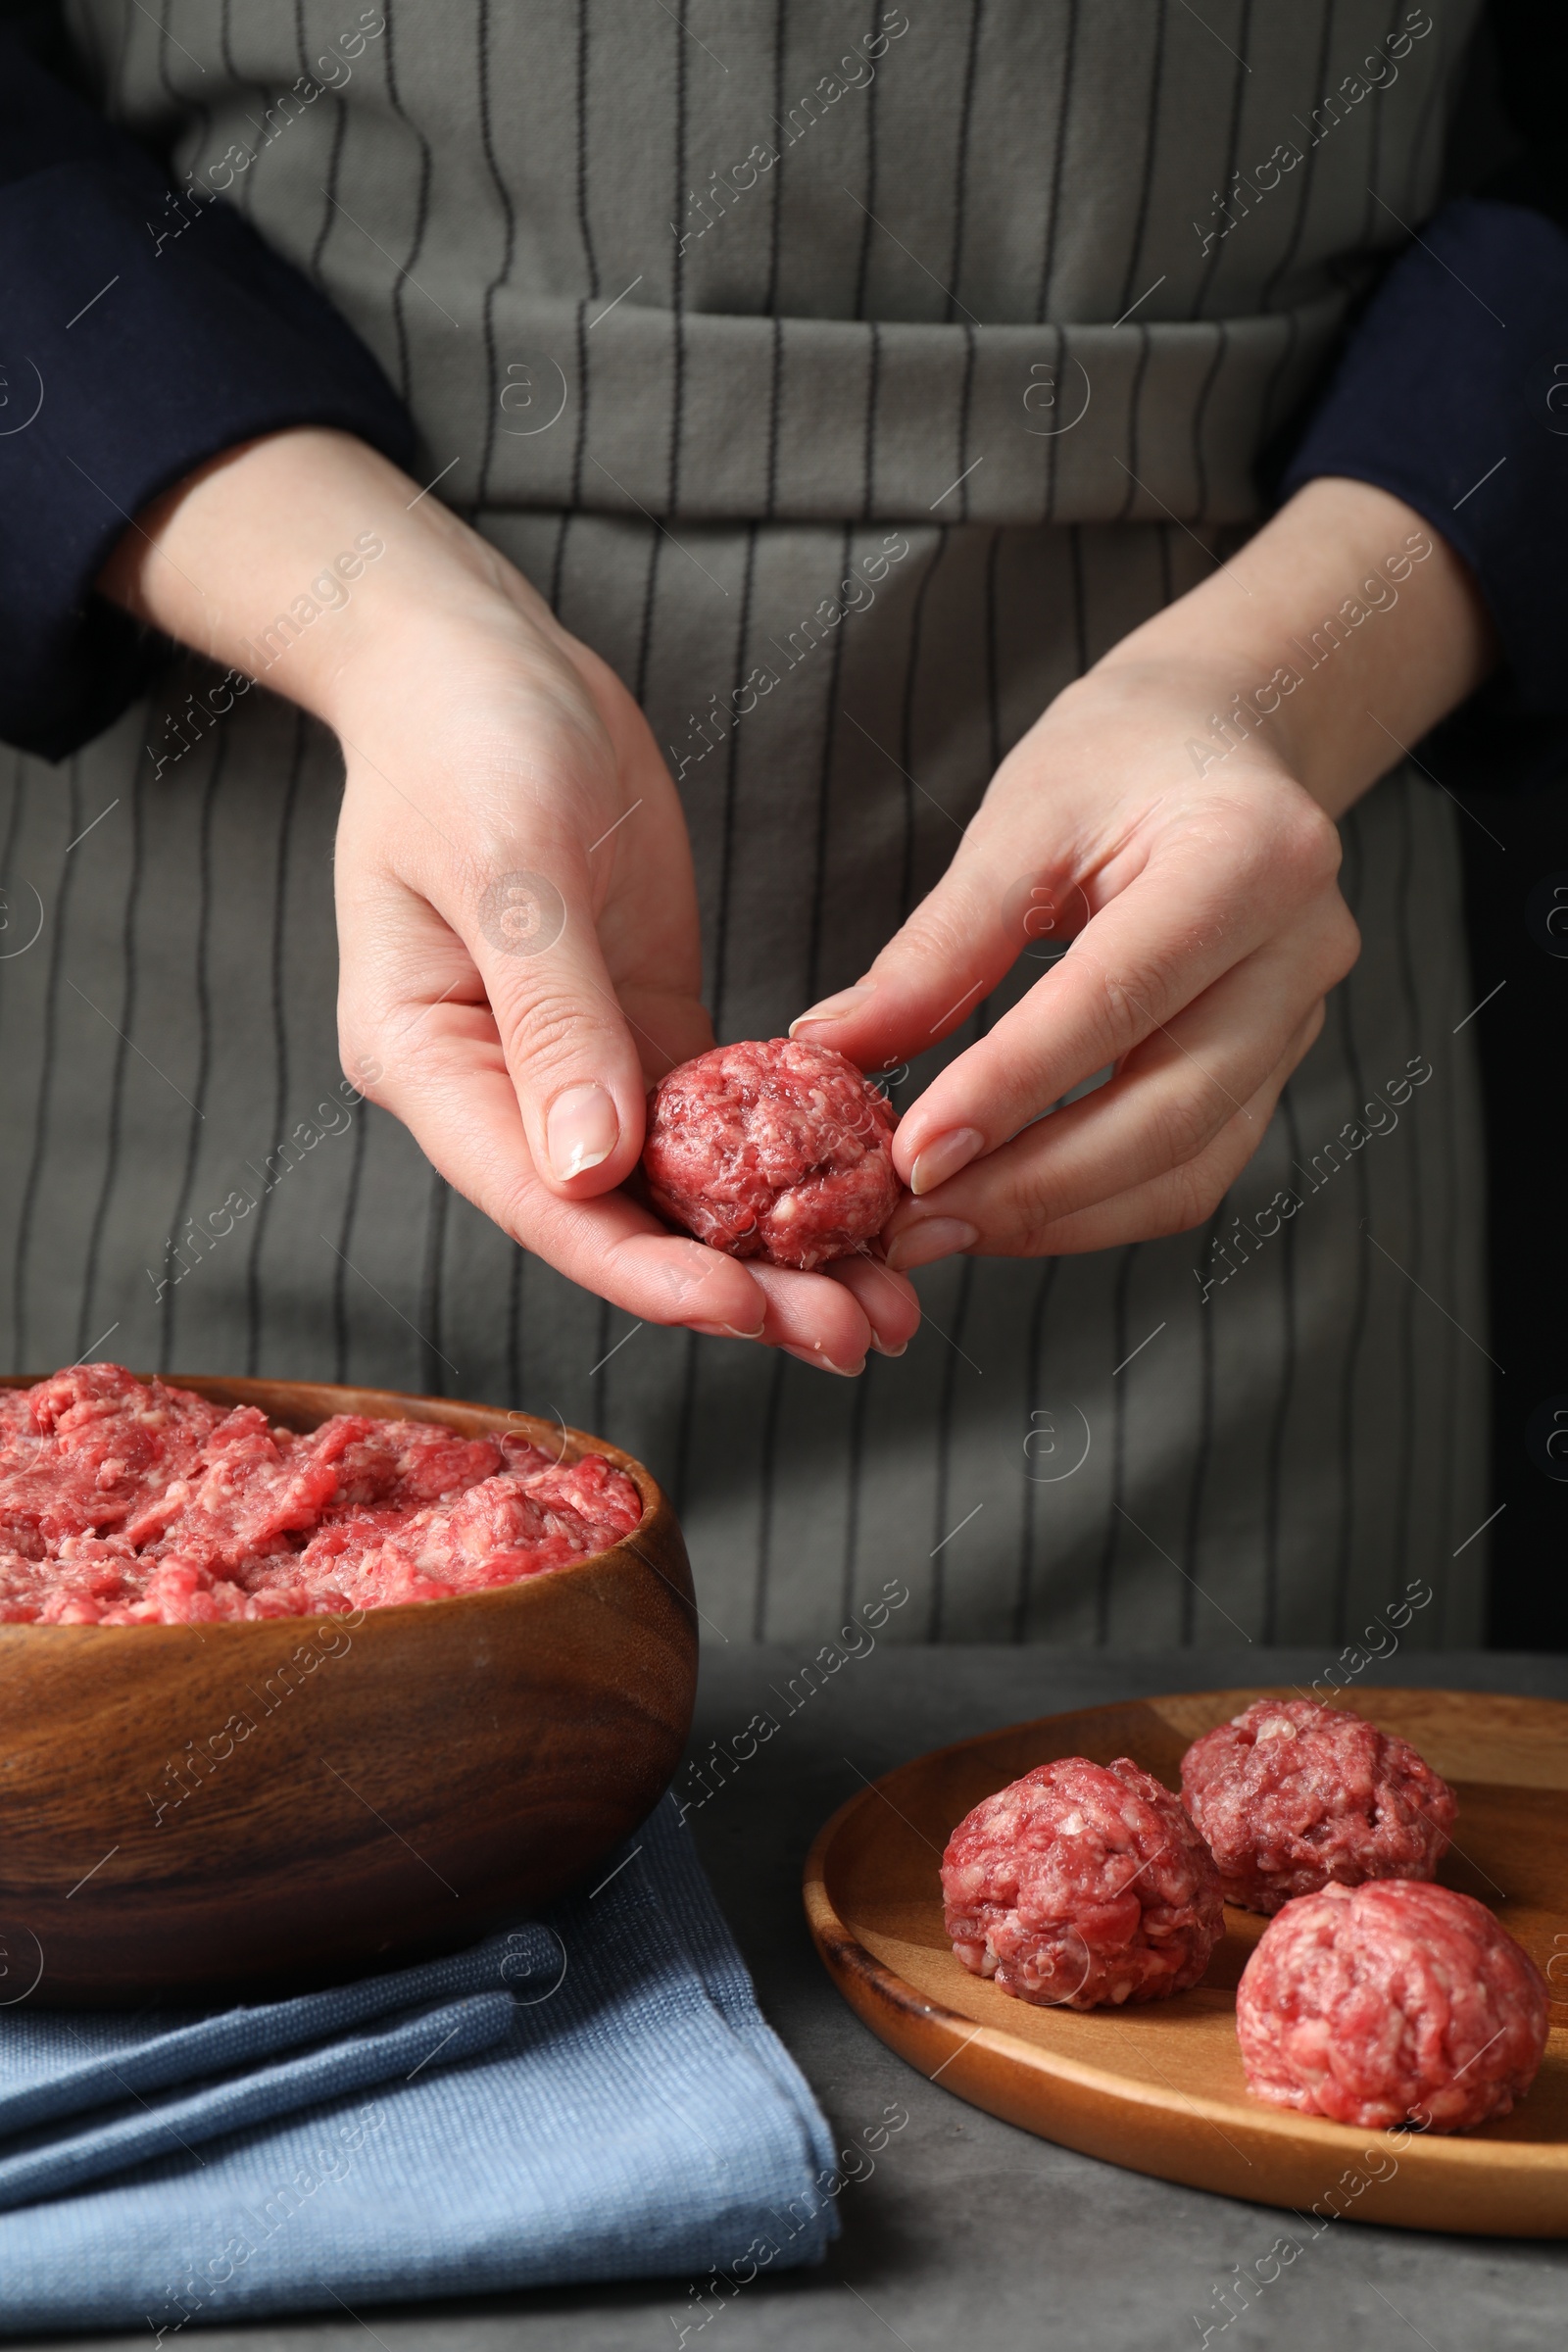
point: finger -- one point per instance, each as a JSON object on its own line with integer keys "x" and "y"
{"x": 1168, "y": 1101}
{"x": 1177, "y": 928}
{"x": 644, "y": 882}
{"x": 962, "y": 939}
{"x": 889, "y": 1301}
{"x": 1173, "y": 1202}
{"x": 530, "y": 936}
{"x": 1194, "y": 907}
{"x": 453, "y": 1091}
{"x": 575, "y": 1063}
{"x": 813, "y": 1317}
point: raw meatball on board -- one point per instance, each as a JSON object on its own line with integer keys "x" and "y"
{"x": 1082, "y": 1886}
{"x": 775, "y": 1151}
{"x": 1292, "y": 1796}
{"x": 1387, "y": 2003}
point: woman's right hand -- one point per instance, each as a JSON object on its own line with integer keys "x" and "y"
{"x": 517, "y": 924}
{"x": 517, "y": 912}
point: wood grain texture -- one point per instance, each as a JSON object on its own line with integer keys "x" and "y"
{"x": 1160, "y": 2088}
{"x": 404, "y": 1786}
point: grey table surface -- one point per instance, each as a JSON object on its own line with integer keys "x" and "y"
{"x": 969, "y": 2230}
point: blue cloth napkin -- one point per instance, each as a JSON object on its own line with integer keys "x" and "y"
{"x": 593, "y": 2095}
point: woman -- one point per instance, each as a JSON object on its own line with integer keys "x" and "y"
{"x": 876, "y": 407}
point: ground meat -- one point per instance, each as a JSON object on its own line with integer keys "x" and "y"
{"x": 1292, "y": 1796}
{"x": 124, "y": 1503}
{"x": 91, "y": 1449}
{"x": 1082, "y": 1885}
{"x": 772, "y": 1151}
{"x": 1390, "y": 2002}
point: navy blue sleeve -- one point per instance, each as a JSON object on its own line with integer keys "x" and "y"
{"x": 1453, "y": 394}
{"x": 142, "y": 330}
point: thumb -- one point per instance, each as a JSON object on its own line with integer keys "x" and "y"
{"x": 569, "y": 1048}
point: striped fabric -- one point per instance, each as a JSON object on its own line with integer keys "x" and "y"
{"x": 692, "y": 442}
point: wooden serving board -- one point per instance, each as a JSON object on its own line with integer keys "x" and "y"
{"x": 1160, "y": 2088}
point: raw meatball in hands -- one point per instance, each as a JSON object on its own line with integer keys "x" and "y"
{"x": 772, "y": 1150}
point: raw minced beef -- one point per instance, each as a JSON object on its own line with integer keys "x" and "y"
{"x": 1292, "y": 1796}
{"x": 775, "y": 1151}
{"x": 1082, "y": 1885}
{"x": 131, "y": 1503}
{"x": 1390, "y": 2002}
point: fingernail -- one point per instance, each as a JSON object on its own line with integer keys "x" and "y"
{"x": 582, "y": 1130}
{"x": 944, "y": 1158}
{"x": 820, "y": 1361}
{"x": 834, "y": 1008}
{"x": 883, "y": 1348}
{"x": 932, "y": 1238}
{"x": 728, "y": 1331}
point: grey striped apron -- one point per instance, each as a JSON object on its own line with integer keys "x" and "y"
{"x": 987, "y": 308}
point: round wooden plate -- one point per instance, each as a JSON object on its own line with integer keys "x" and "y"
{"x": 1160, "y": 2088}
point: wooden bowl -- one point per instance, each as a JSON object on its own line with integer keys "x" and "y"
{"x": 402, "y": 1789}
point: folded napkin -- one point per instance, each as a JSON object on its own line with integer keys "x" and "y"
{"x": 591, "y": 2095}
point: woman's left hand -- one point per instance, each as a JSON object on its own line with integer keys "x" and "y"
{"x": 1206, "y": 927}
{"x": 1197, "y": 884}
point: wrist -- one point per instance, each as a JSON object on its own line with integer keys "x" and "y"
{"x": 310, "y": 563}
{"x": 1209, "y": 715}
{"x": 425, "y": 616}
{"x": 1332, "y": 641}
